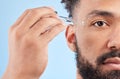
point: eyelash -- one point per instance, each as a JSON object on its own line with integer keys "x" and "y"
{"x": 104, "y": 23}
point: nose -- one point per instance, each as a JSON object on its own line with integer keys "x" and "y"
{"x": 114, "y": 40}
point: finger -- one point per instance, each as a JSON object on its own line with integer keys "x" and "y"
{"x": 44, "y": 24}
{"x": 20, "y": 18}
{"x": 51, "y": 33}
{"x": 43, "y": 21}
{"x": 33, "y": 16}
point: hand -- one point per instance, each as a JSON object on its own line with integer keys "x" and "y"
{"x": 28, "y": 43}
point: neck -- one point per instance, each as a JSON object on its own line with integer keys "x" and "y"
{"x": 78, "y": 75}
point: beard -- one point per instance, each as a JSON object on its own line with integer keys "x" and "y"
{"x": 88, "y": 71}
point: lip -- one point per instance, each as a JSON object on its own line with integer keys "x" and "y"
{"x": 112, "y": 63}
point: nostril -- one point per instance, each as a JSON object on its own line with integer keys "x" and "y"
{"x": 113, "y": 47}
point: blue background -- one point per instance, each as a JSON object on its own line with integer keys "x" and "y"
{"x": 62, "y": 63}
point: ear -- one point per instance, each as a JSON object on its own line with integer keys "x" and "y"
{"x": 70, "y": 37}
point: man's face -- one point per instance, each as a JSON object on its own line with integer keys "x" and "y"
{"x": 97, "y": 38}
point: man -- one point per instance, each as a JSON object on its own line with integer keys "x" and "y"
{"x": 94, "y": 36}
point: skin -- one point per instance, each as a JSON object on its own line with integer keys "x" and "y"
{"x": 94, "y": 40}
{"x": 29, "y": 44}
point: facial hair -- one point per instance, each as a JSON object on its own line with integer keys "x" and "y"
{"x": 88, "y": 71}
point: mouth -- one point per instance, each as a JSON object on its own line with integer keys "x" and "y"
{"x": 112, "y": 63}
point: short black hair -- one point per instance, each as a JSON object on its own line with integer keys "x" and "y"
{"x": 69, "y": 5}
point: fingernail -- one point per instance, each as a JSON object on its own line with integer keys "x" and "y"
{"x": 56, "y": 12}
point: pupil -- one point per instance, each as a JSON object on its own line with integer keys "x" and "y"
{"x": 100, "y": 23}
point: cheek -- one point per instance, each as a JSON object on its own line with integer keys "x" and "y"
{"x": 91, "y": 44}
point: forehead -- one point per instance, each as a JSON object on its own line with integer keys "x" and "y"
{"x": 86, "y": 6}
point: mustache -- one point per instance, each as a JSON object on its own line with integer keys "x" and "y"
{"x": 111, "y": 54}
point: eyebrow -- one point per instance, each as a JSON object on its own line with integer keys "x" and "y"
{"x": 101, "y": 13}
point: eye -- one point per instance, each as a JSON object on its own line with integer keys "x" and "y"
{"x": 100, "y": 24}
